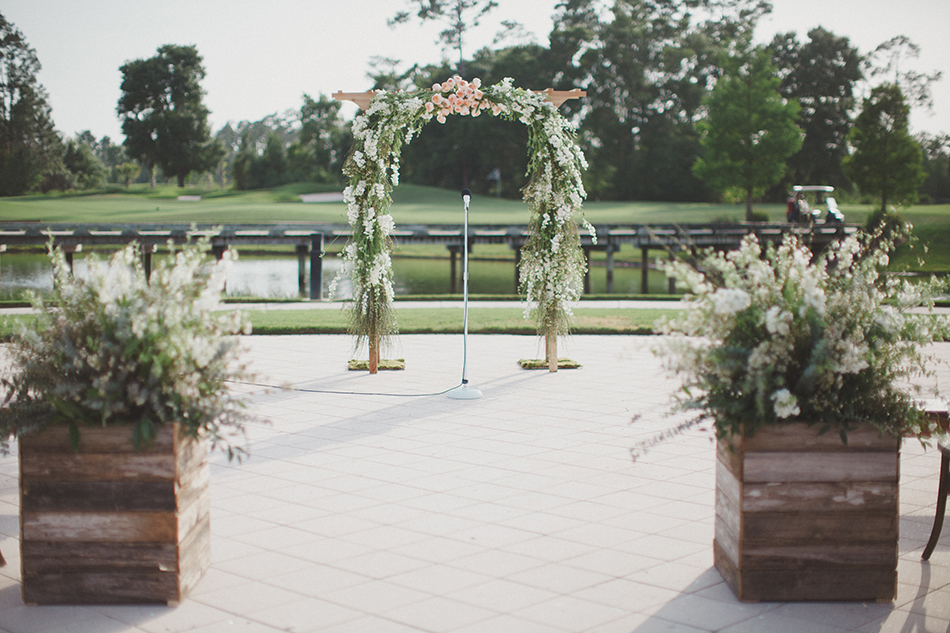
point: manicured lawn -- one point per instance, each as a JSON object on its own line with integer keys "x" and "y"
{"x": 434, "y": 321}
{"x": 449, "y": 320}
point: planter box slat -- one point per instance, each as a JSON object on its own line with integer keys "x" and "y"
{"x": 825, "y": 526}
{"x": 64, "y": 556}
{"x": 94, "y": 439}
{"x": 122, "y": 586}
{"x": 804, "y": 438}
{"x": 792, "y": 585}
{"x": 119, "y": 527}
{"x": 811, "y": 556}
{"x": 799, "y": 466}
{"x": 111, "y": 525}
{"x": 813, "y": 496}
{"x": 97, "y": 467}
{"x": 820, "y": 585}
{"x": 98, "y": 496}
{"x": 806, "y": 517}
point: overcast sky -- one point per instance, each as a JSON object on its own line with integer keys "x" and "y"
{"x": 261, "y": 57}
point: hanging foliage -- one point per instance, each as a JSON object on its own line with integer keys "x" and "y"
{"x": 552, "y": 265}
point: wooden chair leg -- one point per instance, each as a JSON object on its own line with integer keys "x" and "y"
{"x": 941, "y": 504}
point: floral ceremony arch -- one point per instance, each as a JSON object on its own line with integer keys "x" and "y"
{"x": 552, "y": 263}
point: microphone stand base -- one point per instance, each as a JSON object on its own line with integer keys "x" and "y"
{"x": 464, "y": 392}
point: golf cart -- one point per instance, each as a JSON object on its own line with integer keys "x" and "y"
{"x": 800, "y": 211}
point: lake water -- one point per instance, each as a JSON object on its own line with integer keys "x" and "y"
{"x": 276, "y": 277}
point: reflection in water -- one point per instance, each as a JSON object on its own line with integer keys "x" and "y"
{"x": 276, "y": 277}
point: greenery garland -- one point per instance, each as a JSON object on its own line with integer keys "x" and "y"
{"x": 552, "y": 265}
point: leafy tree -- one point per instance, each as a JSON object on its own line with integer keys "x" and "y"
{"x": 30, "y": 148}
{"x": 86, "y": 169}
{"x": 110, "y": 154}
{"x": 622, "y": 64}
{"x": 645, "y": 66}
{"x": 127, "y": 171}
{"x": 820, "y": 74}
{"x": 272, "y": 166}
{"x": 323, "y": 141}
{"x": 298, "y": 146}
{"x": 241, "y": 165}
{"x": 163, "y": 117}
{"x": 250, "y": 137}
{"x": 886, "y": 160}
{"x": 459, "y": 16}
{"x": 750, "y": 130}
{"x": 936, "y": 166}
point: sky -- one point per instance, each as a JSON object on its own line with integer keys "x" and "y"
{"x": 261, "y": 57}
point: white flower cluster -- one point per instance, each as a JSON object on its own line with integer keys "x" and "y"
{"x": 553, "y": 263}
{"x": 730, "y": 301}
{"x": 117, "y": 348}
{"x": 786, "y": 405}
{"x": 783, "y": 334}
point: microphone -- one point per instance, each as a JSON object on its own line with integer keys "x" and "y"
{"x": 466, "y": 196}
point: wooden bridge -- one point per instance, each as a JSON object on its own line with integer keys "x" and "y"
{"x": 308, "y": 240}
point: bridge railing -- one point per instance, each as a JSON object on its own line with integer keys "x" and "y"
{"x": 308, "y": 239}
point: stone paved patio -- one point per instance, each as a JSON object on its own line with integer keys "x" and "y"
{"x": 520, "y": 512}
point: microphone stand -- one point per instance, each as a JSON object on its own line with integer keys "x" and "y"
{"x": 464, "y": 391}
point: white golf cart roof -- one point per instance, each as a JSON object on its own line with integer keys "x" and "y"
{"x": 825, "y": 188}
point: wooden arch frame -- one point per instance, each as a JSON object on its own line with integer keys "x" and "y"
{"x": 552, "y": 260}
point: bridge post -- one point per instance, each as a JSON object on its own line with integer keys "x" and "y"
{"x": 146, "y": 260}
{"x": 316, "y": 266}
{"x": 69, "y": 250}
{"x": 671, "y": 281}
{"x": 302, "y": 251}
{"x": 645, "y": 270}
{"x": 611, "y": 248}
{"x": 454, "y": 250}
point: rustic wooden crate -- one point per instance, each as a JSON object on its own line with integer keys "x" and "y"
{"x": 802, "y": 516}
{"x": 110, "y": 524}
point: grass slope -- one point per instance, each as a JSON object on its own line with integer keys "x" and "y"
{"x": 412, "y": 204}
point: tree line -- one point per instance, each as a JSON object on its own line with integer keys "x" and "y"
{"x": 666, "y": 118}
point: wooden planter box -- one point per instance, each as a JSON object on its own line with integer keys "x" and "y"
{"x": 109, "y": 524}
{"x": 801, "y": 516}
